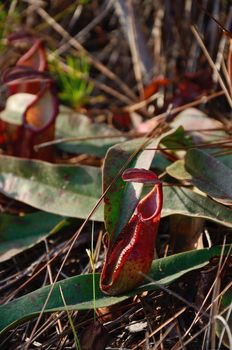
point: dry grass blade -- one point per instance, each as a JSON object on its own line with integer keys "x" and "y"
{"x": 223, "y": 143}
{"x": 59, "y": 325}
{"x": 84, "y": 32}
{"x": 127, "y": 18}
{"x": 163, "y": 337}
{"x": 164, "y": 324}
{"x": 202, "y": 99}
{"x": 229, "y": 65}
{"x": 226, "y": 319}
{"x": 134, "y": 49}
{"x": 141, "y": 57}
{"x": 226, "y": 329}
{"x": 212, "y": 64}
{"x": 220, "y": 59}
{"x": 157, "y": 35}
{"x": 226, "y": 152}
{"x": 211, "y": 331}
{"x": 87, "y": 138}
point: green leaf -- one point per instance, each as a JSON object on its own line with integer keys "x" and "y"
{"x": 178, "y": 171}
{"x": 209, "y": 174}
{"x": 180, "y": 200}
{"x": 72, "y": 124}
{"x": 177, "y": 139}
{"x": 78, "y": 290}
{"x": 60, "y": 189}
{"x": 167, "y": 270}
{"x": 19, "y": 232}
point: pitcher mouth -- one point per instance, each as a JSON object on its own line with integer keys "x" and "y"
{"x": 151, "y": 205}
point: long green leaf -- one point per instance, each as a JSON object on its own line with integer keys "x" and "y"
{"x": 19, "y": 232}
{"x": 71, "y": 124}
{"x": 65, "y": 190}
{"x": 78, "y": 290}
{"x": 180, "y": 200}
{"x": 209, "y": 174}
